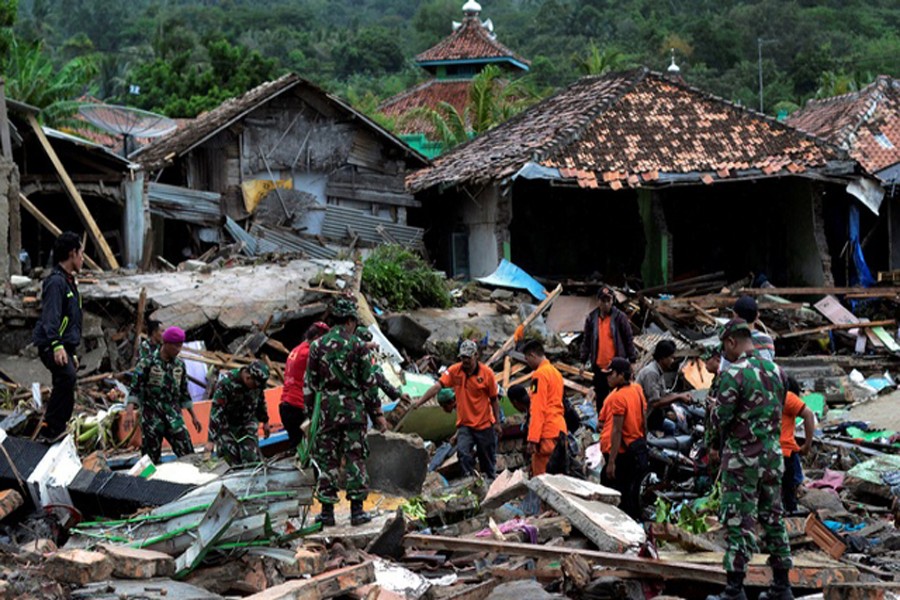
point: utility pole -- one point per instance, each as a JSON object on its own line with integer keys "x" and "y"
{"x": 759, "y": 43}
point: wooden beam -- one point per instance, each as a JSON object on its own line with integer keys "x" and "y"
{"x": 51, "y": 227}
{"x": 537, "y": 312}
{"x": 837, "y": 327}
{"x": 646, "y": 566}
{"x": 75, "y": 195}
{"x": 820, "y": 291}
{"x": 139, "y": 324}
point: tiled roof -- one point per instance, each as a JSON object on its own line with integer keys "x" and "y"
{"x": 867, "y": 123}
{"x": 429, "y": 94}
{"x": 209, "y": 123}
{"x": 470, "y": 41}
{"x": 630, "y": 129}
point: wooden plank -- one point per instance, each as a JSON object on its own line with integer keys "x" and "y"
{"x": 507, "y": 371}
{"x": 51, "y": 227}
{"x": 860, "y": 292}
{"x": 479, "y": 591}
{"x": 838, "y": 327}
{"x": 75, "y": 195}
{"x": 329, "y": 584}
{"x": 665, "y": 569}
{"x": 537, "y": 312}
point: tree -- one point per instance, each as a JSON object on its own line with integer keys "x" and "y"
{"x": 31, "y": 77}
{"x": 598, "y": 62}
{"x": 8, "y": 10}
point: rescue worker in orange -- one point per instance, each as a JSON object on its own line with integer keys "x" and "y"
{"x": 623, "y": 437}
{"x": 794, "y": 407}
{"x": 607, "y": 335}
{"x": 477, "y": 409}
{"x": 546, "y": 421}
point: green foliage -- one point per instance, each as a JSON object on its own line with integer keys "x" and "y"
{"x": 402, "y": 280}
{"x": 8, "y": 9}
{"x": 598, "y": 62}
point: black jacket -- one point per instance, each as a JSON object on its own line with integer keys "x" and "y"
{"x": 60, "y": 322}
{"x": 619, "y": 326}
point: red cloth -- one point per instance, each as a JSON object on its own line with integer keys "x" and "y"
{"x": 294, "y": 373}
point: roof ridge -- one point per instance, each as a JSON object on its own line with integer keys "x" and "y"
{"x": 474, "y": 24}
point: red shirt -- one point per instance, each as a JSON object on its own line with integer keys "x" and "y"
{"x": 294, "y": 372}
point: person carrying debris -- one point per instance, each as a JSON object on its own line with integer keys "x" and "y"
{"x": 607, "y": 335}
{"x": 747, "y": 418}
{"x": 159, "y": 388}
{"x": 292, "y": 407}
{"x": 623, "y": 436}
{"x": 794, "y": 407}
{"x": 652, "y": 381}
{"x": 547, "y": 426}
{"x": 152, "y": 342}
{"x": 340, "y": 371}
{"x": 58, "y": 332}
{"x": 477, "y": 409}
{"x": 238, "y": 406}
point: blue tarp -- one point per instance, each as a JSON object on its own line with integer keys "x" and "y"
{"x": 862, "y": 275}
{"x": 509, "y": 275}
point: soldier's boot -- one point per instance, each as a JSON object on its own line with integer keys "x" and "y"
{"x": 357, "y": 515}
{"x": 780, "y": 588}
{"x": 326, "y": 517}
{"x": 734, "y": 589}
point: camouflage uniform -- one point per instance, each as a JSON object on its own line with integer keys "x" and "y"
{"x": 235, "y": 416}
{"x": 146, "y": 350}
{"x": 381, "y": 381}
{"x": 160, "y": 388}
{"x": 747, "y": 419}
{"x": 340, "y": 369}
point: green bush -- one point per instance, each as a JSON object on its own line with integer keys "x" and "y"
{"x": 399, "y": 279}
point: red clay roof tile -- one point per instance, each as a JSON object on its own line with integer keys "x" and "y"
{"x": 470, "y": 41}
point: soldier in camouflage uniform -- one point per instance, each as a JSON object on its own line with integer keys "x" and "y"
{"x": 238, "y": 406}
{"x": 159, "y": 387}
{"x": 152, "y": 342}
{"x": 341, "y": 372}
{"x": 747, "y": 420}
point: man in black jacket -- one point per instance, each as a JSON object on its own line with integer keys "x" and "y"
{"x": 607, "y": 335}
{"x": 58, "y": 332}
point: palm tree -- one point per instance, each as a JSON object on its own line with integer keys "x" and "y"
{"x": 832, "y": 83}
{"x": 599, "y": 62}
{"x": 32, "y": 78}
{"x": 492, "y": 100}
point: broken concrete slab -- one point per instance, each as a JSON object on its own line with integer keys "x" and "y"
{"x": 389, "y": 542}
{"x": 604, "y": 524}
{"x": 78, "y": 566}
{"x": 507, "y": 486}
{"x": 586, "y": 490}
{"x": 397, "y": 463}
{"x": 865, "y": 478}
{"x": 405, "y": 332}
{"x": 150, "y": 589}
{"x": 134, "y": 563}
{"x": 400, "y": 580}
{"x": 518, "y": 590}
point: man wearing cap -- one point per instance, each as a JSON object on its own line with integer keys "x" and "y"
{"x": 747, "y": 419}
{"x": 546, "y": 409}
{"x": 238, "y": 407}
{"x": 623, "y": 436}
{"x": 477, "y": 409}
{"x": 342, "y": 374}
{"x": 159, "y": 388}
{"x": 292, "y": 407}
{"x": 57, "y": 333}
{"x": 607, "y": 335}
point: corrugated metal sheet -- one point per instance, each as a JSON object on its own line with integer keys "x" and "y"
{"x": 184, "y": 204}
{"x": 341, "y": 223}
{"x": 262, "y": 240}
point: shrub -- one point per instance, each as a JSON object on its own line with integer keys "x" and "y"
{"x": 401, "y": 280}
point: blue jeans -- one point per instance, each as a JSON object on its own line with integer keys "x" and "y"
{"x": 481, "y": 442}
{"x": 793, "y": 477}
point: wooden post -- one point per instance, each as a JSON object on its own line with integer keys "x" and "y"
{"x": 82, "y": 208}
{"x": 5, "y": 141}
{"x": 508, "y": 344}
{"x": 51, "y": 227}
{"x": 139, "y": 323}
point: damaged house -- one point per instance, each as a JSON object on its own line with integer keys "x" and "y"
{"x": 866, "y": 124}
{"x": 638, "y": 175}
{"x": 313, "y": 172}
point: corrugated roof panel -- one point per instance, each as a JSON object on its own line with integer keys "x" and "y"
{"x": 342, "y": 223}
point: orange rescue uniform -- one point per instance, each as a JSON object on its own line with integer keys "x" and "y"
{"x": 606, "y": 345}
{"x": 630, "y": 402}
{"x": 793, "y": 406}
{"x": 473, "y": 395}
{"x": 546, "y": 419}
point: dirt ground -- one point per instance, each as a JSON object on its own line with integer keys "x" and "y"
{"x": 883, "y": 411}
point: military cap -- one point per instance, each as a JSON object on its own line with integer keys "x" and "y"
{"x": 344, "y": 307}
{"x": 732, "y": 327}
{"x": 468, "y": 348}
{"x": 707, "y": 352}
{"x": 259, "y": 371}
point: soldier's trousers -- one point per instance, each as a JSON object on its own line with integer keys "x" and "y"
{"x": 157, "y": 425}
{"x": 334, "y": 445}
{"x": 751, "y": 491}
{"x": 239, "y": 445}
